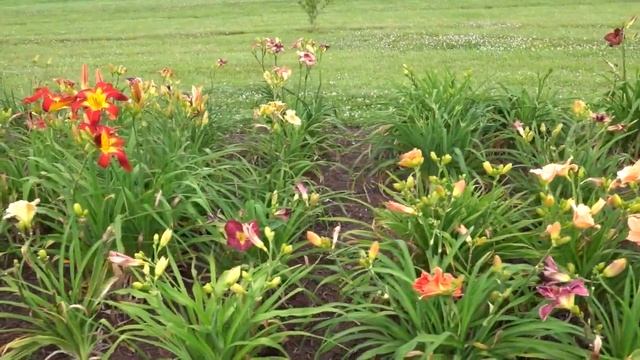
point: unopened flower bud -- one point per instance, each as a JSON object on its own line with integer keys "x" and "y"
{"x": 161, "y": 266}
{"x": 314, "y": 199}
{"x": 232, "y": 276}
{"x": 238, "y": 289}
{"x": 42, "y": 254}
{"x": 77, "y": 209}
{"x": 433, "y": 156}
{"x": 286, "y": 249}
{"x": 137, "y": 285}
{"x": 615, "y": 201}
{"x": 274, "y": 283}
{"x": 446, "y": 159}
{"x": 269, "y": 234}
{"x": 207, "y": 288}
{"x": 548, "y": 200}
{"x": 246, "y": 276}
{"x": 410, "y": 183}
{"x": 156, "y": 239}
{"x": 165, "y": 238}
{"x": 615, "y": 268}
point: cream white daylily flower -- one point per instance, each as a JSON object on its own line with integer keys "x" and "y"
{"x": 23, "y": 211}
{"x": 291, "y": 117}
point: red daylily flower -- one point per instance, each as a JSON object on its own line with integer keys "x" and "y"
{"x": 50, "y": 101}
{"x": 615, "y": 37}
{"x": 241, "y": 236}
{"x": 95, "y": 100}
{"x": 110, "y": 146}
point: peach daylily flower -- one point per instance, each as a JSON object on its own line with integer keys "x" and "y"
{"x": 458, "y": 188}
{"x": 439, "y": 283}
{"x": 634, "y": 228}
{"x": 554, "y": 230}
{"x": 411, "y": 159}
{"x": 123, "y": 260}
{"x": 582, "y": 216}
{"x": 628, "y": 175}
{"x": 548, "y": 172}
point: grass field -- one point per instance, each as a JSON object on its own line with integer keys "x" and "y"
{"x": 507, "y": 41}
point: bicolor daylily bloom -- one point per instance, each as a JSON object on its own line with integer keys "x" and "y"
{"x": 548, "y": 172}
{"x": 23, "y": 211}
{"x": 123, "y": 260}
{"x": 400, "y": 208}
{"x": 552, "y": 274}
{"x": 98, "y": 99}
{"x": 221, "y": 62}
{"x": 241, "y": 236}
{"x": 307, "y": 58}
{"x": 561, "y": 297}
{"x": 110, "y": 146}
{"x": 633, "y": 222}
{"x": 438, "y": 284}
{"x": 51, "y": 102}
{"x": 601, "y": 118}
{"x": 411, "y": 159}
{"x": 274, "y": 45}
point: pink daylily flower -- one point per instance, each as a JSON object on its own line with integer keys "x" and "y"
{"x": 241, "y": 236}
{"x": 307, "y": 58}
{"x": 552, "y": 273}
{"x": 561, "y": 297}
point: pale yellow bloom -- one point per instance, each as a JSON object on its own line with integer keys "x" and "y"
{"x": 161, "y": 266}
{"x": 548, "y": 172}
{"x": 23, "y": 211}
{"x": 291, "y": 117}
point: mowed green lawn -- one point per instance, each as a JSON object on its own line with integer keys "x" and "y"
{"x": 507, "y": 41}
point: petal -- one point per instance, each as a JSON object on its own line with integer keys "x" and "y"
{"x": 545, "y": 310}
{"x": 104, "y": 160}
{"x": 113, "y": 111}
{"x": 123, "y": 160}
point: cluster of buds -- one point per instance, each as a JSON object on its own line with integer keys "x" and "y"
{"x": 440, "y": 161}
{"x": 524, "y": 131}
{"x": 496, "y": 171}
{"x": 367, "y": 260}
{"x": 277, "y": 77}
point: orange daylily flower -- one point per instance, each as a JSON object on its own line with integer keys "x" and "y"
{"x": 50, "y": 101}
{"x": 548, "y": 172}
{"x": 411, "y": 159}
{"x": 439, "y": 283}
{"x": 634, "y": 228}
{"x": 110, "y": 146}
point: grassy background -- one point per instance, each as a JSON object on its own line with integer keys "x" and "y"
{"x": 508, "y": 41}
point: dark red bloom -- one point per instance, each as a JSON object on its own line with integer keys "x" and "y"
{"x": 239, "y": 234}
{"x": 615, "y": 37}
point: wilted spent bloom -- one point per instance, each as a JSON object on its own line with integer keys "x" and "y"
{"x": 438, "y": 284}
{"x": 615, "y": 268}
{"x": 23, "y": 211}
{"x": 400, "y": 208}
{"x": 601, "y": 118}
{"x": 165, "y": 238}
{"x": 411, "y": 159}
{"x": 123, "y": 260}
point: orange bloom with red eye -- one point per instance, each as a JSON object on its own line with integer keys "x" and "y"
{"x": 98, "y": 99}
{"x": 439, "y": 283}
{"x": 50, "y": 101}
{"x": 110, "y": 146}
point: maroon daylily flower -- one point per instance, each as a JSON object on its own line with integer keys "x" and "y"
{"x": 615, "y": 37}
{"x": 239, "y": 235}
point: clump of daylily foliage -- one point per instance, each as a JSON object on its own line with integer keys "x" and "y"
{"x": 509, "y": 234}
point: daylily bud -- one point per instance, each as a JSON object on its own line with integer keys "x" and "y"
{"x": 156, "y": 239}
{"x": 232, "y": 275}
{"x": 238, "y": 289}
{"x": 373, "y": 251}
{"x": 77, "y": 209}
{"x": 410, "y": 183}
{"x": 207, "y": 288}
{"x": 165, "y": 238}
{"x": 274, "y": 198}
{"x": 497, "y": 264}
{"x": 137, "y": 285}
{"x": 399, "y": 186}
{"x": 506, "y": 168}
{"x": 269, "y": 234}
{"x": 548, "y": 200}
{"x": 615, "y": 201}
{"x": 314, "y": 239}
{"x": 42, "y": 255}
{"x": 274, "y": 283}
{"x": 434, "y": 180}
{"x": 615, "y": 268}
{"x": 598, "y": 206}
{"x": 446, "y": 159}
{"x": 571, "y": 268}
{"x": 161, "y": 266}
{"x": 286, "y": 249}
{"x": 556, "y": 131}
{"x": 433, "y": 156}
{"x": 458, "y": 188}
{"x": 487, "y": 168}
{"x": 246, "y": 276}
{"x": 399, "y": 208}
